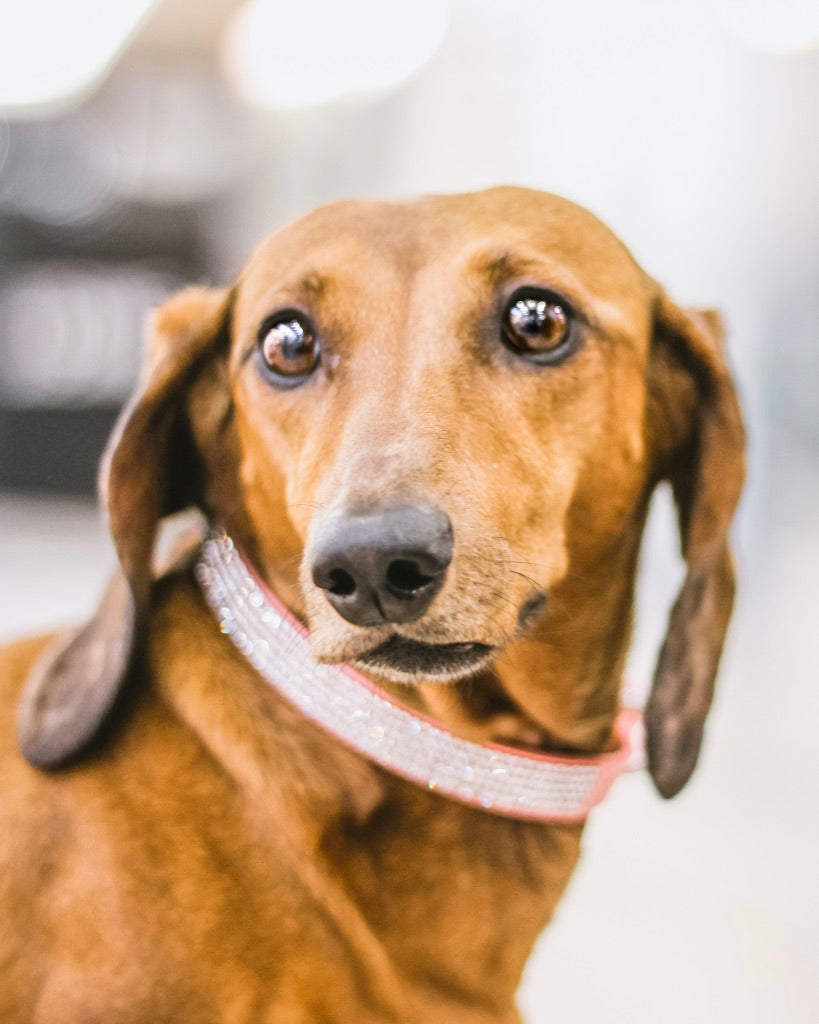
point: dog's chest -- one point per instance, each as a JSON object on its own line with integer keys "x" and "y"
{"x": 428, "y": 912}
{"x": 456, "y": 896}
{"x": 176, "y": 893}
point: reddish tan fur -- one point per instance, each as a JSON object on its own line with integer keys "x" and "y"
{"x": 213, "y": 857}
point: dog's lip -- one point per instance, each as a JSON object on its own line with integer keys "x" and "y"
{"x": 414, "y": 658}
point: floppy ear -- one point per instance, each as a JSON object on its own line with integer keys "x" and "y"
{"x": 695, "y": 427}
{"x": 149, "y": 470}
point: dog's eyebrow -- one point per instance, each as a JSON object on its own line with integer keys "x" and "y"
{"x": 314, "y": 284}
{"x": 498, "y": 267}
{"x": 501, "y": 265}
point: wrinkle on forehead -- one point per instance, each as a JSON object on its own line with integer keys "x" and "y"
{"x": 293, "y": 268}
{"x": 342, "y": 232}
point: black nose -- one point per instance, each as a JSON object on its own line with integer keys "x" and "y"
{"x": 385, "y": 565}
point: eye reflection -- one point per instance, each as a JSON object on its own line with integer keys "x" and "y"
{"x": 537, "y": 325}
{"x": 289, "y": 347}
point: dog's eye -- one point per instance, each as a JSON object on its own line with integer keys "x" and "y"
{"x": 289, "y": 348}
{"x": 538, "y": 326}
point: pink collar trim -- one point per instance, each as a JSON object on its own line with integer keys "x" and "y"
{"x": 499, "y": 779}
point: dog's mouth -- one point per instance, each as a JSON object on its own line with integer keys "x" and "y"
{"x": 405, "y": 660}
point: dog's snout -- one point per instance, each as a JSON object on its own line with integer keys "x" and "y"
{"x": 383, "y": 566}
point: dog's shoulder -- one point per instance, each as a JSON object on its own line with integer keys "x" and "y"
{"x": 106, "y": 852}
{"x": 17, "y": 661}
{"x": 125, "y": 776}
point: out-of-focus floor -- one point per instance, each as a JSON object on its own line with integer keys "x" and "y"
{"x": 703, "y": 910}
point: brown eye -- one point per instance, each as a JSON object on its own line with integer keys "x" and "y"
{"x": 538, "y": 326}
{"x": 289, "y": 348}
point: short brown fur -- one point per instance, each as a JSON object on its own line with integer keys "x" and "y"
{"x": 178, "y": 844}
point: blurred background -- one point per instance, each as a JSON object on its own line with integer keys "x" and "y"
{"x": 145, "y": 144}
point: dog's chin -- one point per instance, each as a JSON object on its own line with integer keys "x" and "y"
{"x": 402, "y": 660}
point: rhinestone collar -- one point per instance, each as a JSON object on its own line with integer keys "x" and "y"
{"x": 499, "y": 779}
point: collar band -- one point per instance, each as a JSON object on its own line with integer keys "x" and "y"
{"x": 499, "y": 779}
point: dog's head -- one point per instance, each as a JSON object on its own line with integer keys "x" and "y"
{"x": 435, "y": 427}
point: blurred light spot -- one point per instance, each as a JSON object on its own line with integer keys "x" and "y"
{"x": 52, "y": 52}
{"x": 788, "y": 26}
{"x": 181, "y": 137}
{"x": 60, "y": 174}
{"x": 304, "y": 54}
{"x": 72, "y": 333}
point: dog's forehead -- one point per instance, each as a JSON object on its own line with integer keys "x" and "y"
{"x": 500, "y": 232}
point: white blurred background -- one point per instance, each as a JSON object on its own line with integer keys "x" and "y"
{"x": 146, "y": 144}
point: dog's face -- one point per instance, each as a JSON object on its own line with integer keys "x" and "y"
{"x": 435, "y": 427}
{"x": 480, "y": 359}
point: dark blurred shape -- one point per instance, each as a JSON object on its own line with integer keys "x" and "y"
{"x": 72, "y": 337}
{"x": 53, "y": 449}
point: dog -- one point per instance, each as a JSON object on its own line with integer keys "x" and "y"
{"x": 425, "y": 435}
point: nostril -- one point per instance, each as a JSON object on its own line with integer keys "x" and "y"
{"x": 382, "y": 565}
{"x": 342, "y": 583}
{"x": 406, "y": 577}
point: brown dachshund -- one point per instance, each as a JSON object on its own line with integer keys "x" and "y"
{"x": 433, "y": 430}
